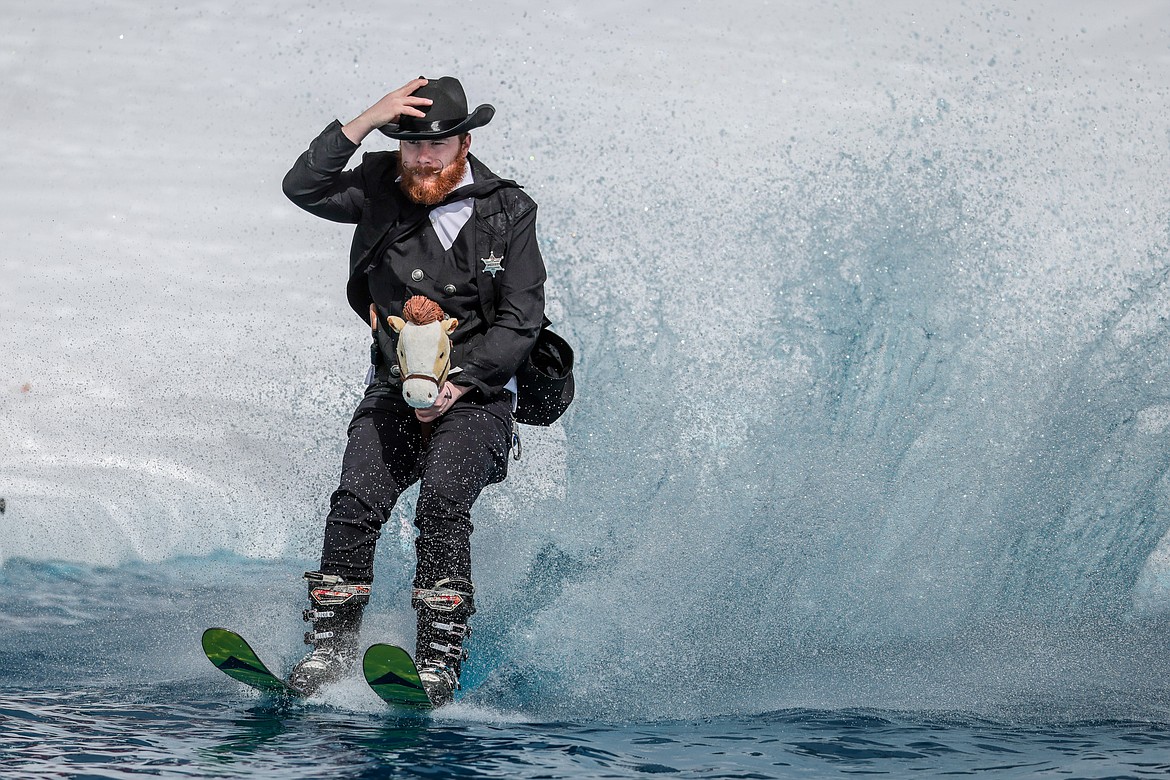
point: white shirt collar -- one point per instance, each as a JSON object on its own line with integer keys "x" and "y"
{"x": 450, "y": 218}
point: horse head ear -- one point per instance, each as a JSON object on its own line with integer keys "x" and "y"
{"x": 397, "y": 323}
{"x": 373, "y": 318}
{"x": 450, "y": 325}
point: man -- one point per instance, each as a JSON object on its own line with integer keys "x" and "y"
{"x": 433, "y": 221}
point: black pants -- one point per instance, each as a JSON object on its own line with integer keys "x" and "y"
{"x": 388, "y": 451}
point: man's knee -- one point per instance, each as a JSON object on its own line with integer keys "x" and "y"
{"x": 439, "y": 509}
{"x": 349, "y": 508}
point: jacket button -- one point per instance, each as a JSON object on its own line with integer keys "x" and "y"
{"x": 395, "y": 370}
{"x": 417, "y": 274}
{"x": 449, "y": 289}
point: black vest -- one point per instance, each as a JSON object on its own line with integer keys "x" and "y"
{"x": 419, "y": 265}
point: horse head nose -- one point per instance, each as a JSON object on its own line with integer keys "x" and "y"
{"x": 419, "y": 395}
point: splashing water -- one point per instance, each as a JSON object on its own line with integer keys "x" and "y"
{"x": 871, "y": 337}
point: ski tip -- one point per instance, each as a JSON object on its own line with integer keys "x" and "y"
{"x": 231, "y": 654}
{"x": 211, "y": 636}
{"x": 390, "y": 672}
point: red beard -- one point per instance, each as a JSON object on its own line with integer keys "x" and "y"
{"x": 429, "y": 186}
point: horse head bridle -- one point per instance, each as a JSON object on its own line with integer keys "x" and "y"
{"x": 436, "y": 379}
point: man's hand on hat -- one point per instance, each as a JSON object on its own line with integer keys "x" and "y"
{"x": 392, "y": 106}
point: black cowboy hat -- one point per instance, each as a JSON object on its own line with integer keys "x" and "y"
{"x": 445, "y": 116}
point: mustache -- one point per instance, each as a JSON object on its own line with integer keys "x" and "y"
{"x": 424, "y": 170}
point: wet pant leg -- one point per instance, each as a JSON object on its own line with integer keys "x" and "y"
{"x": 467, "y": 451}
{"x": 381, "y": 460}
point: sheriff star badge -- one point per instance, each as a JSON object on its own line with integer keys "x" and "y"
{"x": 492, "y": 264}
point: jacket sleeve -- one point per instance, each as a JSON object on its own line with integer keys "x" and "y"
{"x": 317, "y": 182}
{"x": 519, "y": 313}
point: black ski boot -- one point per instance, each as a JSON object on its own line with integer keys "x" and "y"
{"x": 336, "y": 614}
{"x": 443, "y": 611}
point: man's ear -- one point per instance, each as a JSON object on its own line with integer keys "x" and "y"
{"x": 466, "y": 143}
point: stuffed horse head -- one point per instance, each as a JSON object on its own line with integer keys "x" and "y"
{"x": 424, "y": 350}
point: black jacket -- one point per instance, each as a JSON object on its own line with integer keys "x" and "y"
{"x": 504, "y": 221}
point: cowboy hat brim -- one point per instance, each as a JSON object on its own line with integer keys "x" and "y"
{"x": 477, "y": 118}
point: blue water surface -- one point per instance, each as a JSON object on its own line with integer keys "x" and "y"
{"x": 101, "y": 676}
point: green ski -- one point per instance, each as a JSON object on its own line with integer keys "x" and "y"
{"x": 392, "y": 675}
{"x": 228, "y": 651}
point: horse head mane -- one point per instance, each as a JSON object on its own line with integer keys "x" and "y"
{"x": 421, "y": 310}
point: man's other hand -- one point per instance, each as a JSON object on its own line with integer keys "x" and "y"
{"x": 447, "y": 398}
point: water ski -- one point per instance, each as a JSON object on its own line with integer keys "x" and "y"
{"x": 232, "y": 655}
{"x": 392, "y": 675}
{"x": 389, "y": 670}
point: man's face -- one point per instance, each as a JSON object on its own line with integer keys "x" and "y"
{"x": 431, "y": 169}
